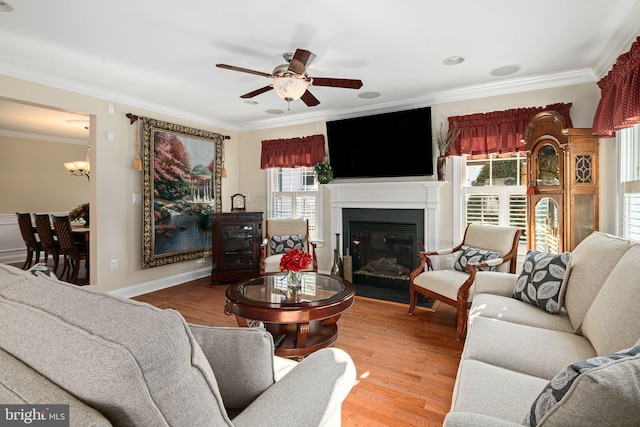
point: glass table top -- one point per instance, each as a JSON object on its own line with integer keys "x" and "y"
{"x": 272, "y": 289}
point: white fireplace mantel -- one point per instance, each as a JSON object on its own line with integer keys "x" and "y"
{"x": 423, "y": 195}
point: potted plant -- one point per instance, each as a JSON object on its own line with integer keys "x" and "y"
{"x": 324, "y": 171}
{"x": 444, "y": 141}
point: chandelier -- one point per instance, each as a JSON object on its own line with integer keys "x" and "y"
{"x": 80, "y": 168}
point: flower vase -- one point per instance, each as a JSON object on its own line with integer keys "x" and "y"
{"x": 294, "y": 285}
{"x": 441, "y": 167}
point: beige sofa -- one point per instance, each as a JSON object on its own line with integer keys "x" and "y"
{"x": 514, "y": 349}
{"x": 120, "y": 362}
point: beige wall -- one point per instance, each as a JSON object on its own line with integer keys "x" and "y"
{"x": 117, "y": 222}
{"x": 33, "y": 178}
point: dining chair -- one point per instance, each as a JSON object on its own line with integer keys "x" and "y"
{"x": 49, "y": 244}
{"x": 72, "y": 250}
{"x": 29, "y": 236}
{"x": 487, "y": 246}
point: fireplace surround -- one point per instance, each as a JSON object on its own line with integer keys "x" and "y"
{"x": 420, "y": 196}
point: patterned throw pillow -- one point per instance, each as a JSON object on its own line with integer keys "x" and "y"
{"x": 542, "y": 280}
{"x": 468, "y": 254}
{"x": 603, "y": 388}
{"x": 281, "y": 244}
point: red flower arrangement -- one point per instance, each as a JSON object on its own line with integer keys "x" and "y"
{"x": 295, "y": 260}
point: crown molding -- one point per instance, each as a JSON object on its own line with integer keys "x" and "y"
{"x": 41, "y": 137}
{"x": 34, "y": 76}
{"x": 619, "y": 43}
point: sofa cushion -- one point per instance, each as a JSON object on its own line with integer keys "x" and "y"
{"x": 603, "y": 391}
{"x": 591, "y": 262}
{"x": 542, "y": 280}
{"x": 521, "y": 348}
{"x": 282, "y": 244}
{"x": 21, "y": 385}
{"x": 512, "y": 310}
{"x": 613, "y": 319}
{"x": 469, "y": 254}
{"x": 494, "y": 391}
{"x": 136, "y": 364}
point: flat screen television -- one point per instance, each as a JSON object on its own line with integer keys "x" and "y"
{"x": 382, "y": 145}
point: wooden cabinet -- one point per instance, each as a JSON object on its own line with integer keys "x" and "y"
{"x": 562, "y": 197}
{"x": 236, "y": 238}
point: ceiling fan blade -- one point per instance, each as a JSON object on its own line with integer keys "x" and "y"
{"x": 345, "y": 83}
{"x": 300, "y": 61}
{"x": 243, "y": 70}
{"x": 309, "y": 99}
{"x": 257, "y": 92}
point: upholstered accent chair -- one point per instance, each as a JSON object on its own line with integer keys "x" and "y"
{"x": 485, "y": 247}
{"x": 282, "y": 234}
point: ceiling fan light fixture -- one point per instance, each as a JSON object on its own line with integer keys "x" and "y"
{"x": 290, "y": 87}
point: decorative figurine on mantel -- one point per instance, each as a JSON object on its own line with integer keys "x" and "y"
{"x": 444, "y": 141}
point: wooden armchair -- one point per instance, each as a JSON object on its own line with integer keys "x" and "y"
{"x": 485, "y": 246}
{"x": 282, "y": 234}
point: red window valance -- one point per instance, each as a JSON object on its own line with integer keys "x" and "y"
{"x": 292, "y": 152}
{"x": 619, "y": 105}
{"x": 497, "y": 131}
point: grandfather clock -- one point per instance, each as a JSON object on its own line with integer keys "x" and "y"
{"x": 562, "y": 193}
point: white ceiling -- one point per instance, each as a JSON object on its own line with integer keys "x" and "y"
{"x": 161, "y": 55}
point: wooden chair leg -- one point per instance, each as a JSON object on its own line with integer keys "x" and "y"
{"x": 413, "y": 297}
{"x": 76, "y": 269}
{"x": 27, "y": 262}
{"x": 461, "y": 320}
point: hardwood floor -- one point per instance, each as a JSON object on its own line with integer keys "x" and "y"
{"x": 406, "y": 365}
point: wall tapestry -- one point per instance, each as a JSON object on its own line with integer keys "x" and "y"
{"x": 181, "y": 184}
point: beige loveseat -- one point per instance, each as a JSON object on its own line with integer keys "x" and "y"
{"x": 514, "y": 349}
{"x": 120, "y": 362}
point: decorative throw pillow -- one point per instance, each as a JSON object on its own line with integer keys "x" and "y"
{"x": 542, "y": 280}
{"x": 281, "y": 244}
{"x": 43, "y": 270}
{"x": 468, "y": 254}
{"x": 604, "y": 389}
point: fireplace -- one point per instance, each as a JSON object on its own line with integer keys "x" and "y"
{"x": 383, "y": 244}
{"x": 400, "y": 216}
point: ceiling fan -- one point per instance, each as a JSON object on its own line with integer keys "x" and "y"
{"x": 290, "y": 80}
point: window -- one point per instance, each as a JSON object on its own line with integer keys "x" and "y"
{"x": 494, "y": 190}
{"x": 627, "y": 141}
{"x": 294, "y": 193}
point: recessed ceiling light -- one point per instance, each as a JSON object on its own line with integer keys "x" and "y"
{"x": 506, "y": 70}
{"x": 453, "y": 60}
{"x": 274, "y": 111}
{"x": 368, "y": 95}
{"x": 251, "y": 102}
{"x": 5, "y": 7}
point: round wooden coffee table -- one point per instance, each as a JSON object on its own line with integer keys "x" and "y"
{"x": 299, "y": 326}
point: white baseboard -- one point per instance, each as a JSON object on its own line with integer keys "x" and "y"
{"x": 165, "y": 282}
